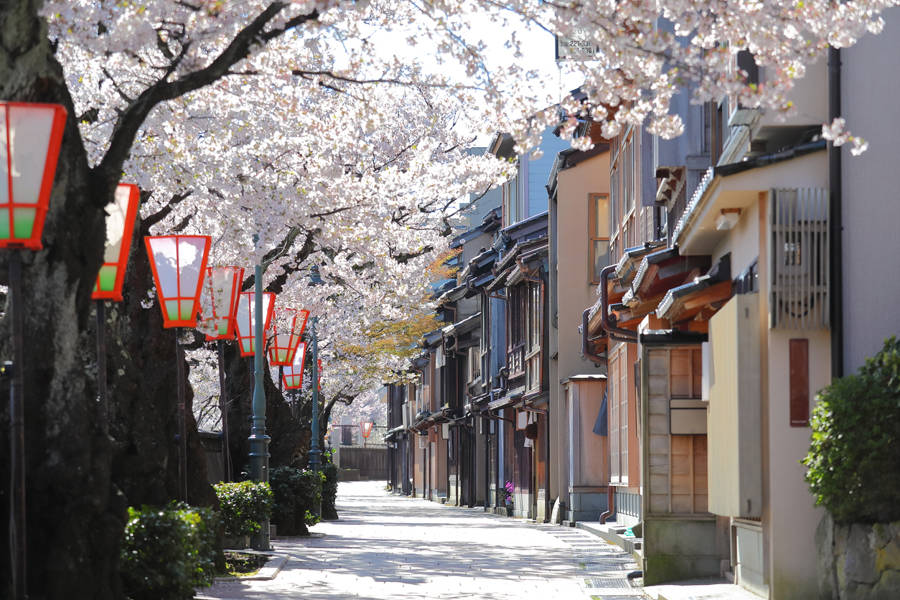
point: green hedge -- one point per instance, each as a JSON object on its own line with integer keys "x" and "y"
{"x": 298, "y": 494}
{"x": 243, "y": 505}
{"x": 853, "y": 465}
{"x": 167, "y": 552}
{"x": 329, "y": 488}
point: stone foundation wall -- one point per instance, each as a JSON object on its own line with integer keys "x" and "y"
{"x": 858, "y": 561}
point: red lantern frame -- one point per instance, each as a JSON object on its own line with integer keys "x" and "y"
{"x": 116, "y": 265}
{"x": 292, "y": 375}
{"x": 365, "y": 429}
{"x": 187, "y": 298}
{"x": 13, "y": 233}
{"x": 247, "y": 339}
{"x": 284, "y": 343}
{"x": 230, "y": 296}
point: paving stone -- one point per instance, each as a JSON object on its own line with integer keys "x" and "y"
{"x": 402, "y": 548}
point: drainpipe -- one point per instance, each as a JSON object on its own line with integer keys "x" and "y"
{"x": 615, "y": 333}
{"x": 585, "y": 339}
{"x": 835, "y": 184}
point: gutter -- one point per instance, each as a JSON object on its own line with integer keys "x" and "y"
{"x": 835, "y": 184}
{"x": 585, "y": 339}
{"x": 615, "y": 333}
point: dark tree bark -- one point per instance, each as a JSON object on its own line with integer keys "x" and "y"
{"x": 143, "y": 397}
{"x": 75, "y": 514}
{"x": 290, "y": 436}
{"x": 77, "y": 476}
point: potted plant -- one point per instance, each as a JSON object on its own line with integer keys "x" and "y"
{"x": 508, "y": 490}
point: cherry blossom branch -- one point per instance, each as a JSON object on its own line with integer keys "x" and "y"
{"x": 238, "y": 49}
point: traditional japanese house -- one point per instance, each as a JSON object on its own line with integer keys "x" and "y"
{"x": 523, "y": 400}
{"x": 578, "y": 250}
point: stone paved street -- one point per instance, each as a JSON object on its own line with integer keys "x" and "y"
{"x": 393, "y": 547}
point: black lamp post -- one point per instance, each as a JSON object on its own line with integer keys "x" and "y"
{"x": 30, "y": 139}
{"x": 314, "y": 452}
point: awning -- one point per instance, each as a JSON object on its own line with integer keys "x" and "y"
{"x": 504, "y": 402}
{"x": 703, "y": 293}
{"x": 631, "y": 259}
{"x": 660, "y": 271}
{"x": 391, "y": 434}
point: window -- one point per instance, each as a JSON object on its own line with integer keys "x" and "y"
{"x": 614, "y": 200}
{"x": 628, "y": 177}
{"x": 516, "y": 327}
{"x": 598, "y": 234}
{"x": 617, "y": 400}
{"x": 533, "y": 342}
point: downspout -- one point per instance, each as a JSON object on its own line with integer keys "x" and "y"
{"x": 835, "y": 183}
{"x": 585, "y": 340}
{"x": 615, "y": 333}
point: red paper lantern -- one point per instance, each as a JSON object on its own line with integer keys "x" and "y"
{"x": 366, "y": 428}
{"x": 30, "y": 137}
{"x": 287, "y": 329}
{"x": 293, "y": 373}
{"x": 246, "y": 319}
{"x": 178, "y": 263}
{"x": 119, "y": 228}
{"x": 218, "y": 302}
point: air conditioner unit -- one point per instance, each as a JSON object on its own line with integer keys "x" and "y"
{"x": 800, "y": 253}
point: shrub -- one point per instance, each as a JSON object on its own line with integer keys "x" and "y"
{"x": 853, "y": 466}
{"x": 298, "y": 493}
{"x": 167, "y": 552}
{"x": 243, "y": 505}
{"x": 329, "y": 491}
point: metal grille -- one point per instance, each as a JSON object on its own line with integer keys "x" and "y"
{"x": 800, "y": 255}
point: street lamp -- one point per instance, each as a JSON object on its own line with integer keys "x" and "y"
{"x": 217, "y": 316}
{"x": 287, "y": 330}
{"x": 292, "y": 375}
{"x": 314, "y": 452}
{"x": 178, "y": 263}
{"x": 30, "y": 138}
{"x": 245, "y": 323}
{"x": 250, "y": 326}
{"x": 120, "y": 216}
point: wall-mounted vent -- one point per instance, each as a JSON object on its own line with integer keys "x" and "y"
{"x": 800, "y": 254}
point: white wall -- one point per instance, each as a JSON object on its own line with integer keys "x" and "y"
{"x": 871, "y": 202}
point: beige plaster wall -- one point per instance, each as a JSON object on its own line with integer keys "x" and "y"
{"x": 575, "y": 293}
{"x": 792, "y": 517}
{"x": 743, "y": 241}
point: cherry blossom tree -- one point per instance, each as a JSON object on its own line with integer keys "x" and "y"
{"x": 289, "y": 119}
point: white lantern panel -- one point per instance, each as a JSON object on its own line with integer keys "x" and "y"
{"x": 29, "y": 138}
{"x": 165, "y": 257}
{"x": 115, "y": 224}
{"x": 190, "y": 258}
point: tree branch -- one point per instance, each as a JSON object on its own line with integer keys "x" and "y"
{"x": 240, "y": 47}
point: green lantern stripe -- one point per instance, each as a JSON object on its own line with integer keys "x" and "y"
{"x": 23, "y": 222}
{"x": 107, "y": 277}
{"x": 172, "y": 310}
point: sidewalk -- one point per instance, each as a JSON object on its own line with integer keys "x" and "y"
{"x": 401, "y": 548}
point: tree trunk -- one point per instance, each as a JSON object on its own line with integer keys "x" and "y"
{"x": 290, "y": 437}
{"x": 75, "y": 514}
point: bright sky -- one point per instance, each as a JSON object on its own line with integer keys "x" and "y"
{"x": 538, "y": 54}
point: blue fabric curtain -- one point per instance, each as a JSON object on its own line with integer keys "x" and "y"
{"x": 601, "y": 426}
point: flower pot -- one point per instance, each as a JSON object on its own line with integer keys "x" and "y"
{"x": 509, "y": 510}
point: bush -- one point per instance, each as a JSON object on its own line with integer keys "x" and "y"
{"x": 167, "y": 552}
{"x": 329, "y": 491}
{"x": 298, "y": 493}
{"x": 243, "y": 506}
{"x": 853, "y": 463}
